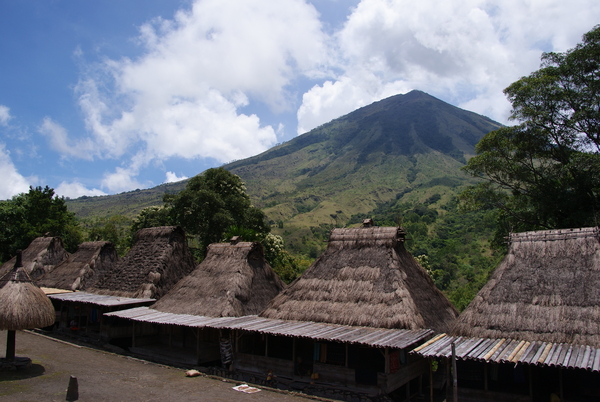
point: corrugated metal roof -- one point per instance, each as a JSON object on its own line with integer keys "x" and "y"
{"x": 99, "y": 300}
{"x": 513, "y": 351}
{"x": 377, "y": 337}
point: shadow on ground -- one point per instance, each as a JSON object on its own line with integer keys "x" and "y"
{"x": 35, "y": 370}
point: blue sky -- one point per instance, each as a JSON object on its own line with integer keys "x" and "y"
{"x": 101, "y": 97}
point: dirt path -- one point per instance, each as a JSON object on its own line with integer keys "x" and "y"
{"x": 104, "y": 376}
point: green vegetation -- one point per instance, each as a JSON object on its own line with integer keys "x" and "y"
{"x": 451, "y": 244}
{"x": 544, "y": 173}
{"x": 115, "y": 229}
{"x": 212, "y": 204}
{"x": 34, "y": 214}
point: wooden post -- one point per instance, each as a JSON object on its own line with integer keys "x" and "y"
{"x": 454, "y": 375}
{"x": 530, "y": 383}
{"x": 197, "y": 345}
{"x": 387, "y": 360}
{"x": 266, "y": 345}
{"x": 560, "y": 383}
{"x": 448, "y": 385}
{"x": 431, "y": 380}
{"x": 485, "y": 377}
{"x": 10, "y": 345}
{"x": 346, "y": 358}
{"x": 295, "y": 363}
{"x": 133, "y": 335}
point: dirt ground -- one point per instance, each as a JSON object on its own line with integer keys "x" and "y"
{"x": 104, "y": 376}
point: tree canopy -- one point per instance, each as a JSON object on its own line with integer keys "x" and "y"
{"x": 212, "y": 204}
{"x": 544, "y": 172}
{"x": 34, "y": 214}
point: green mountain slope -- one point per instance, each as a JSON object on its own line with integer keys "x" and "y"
{"x": 407, "y": 147}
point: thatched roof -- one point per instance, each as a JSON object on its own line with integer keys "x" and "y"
{"x": 365, "y": 278}
{"x": 159, "y": 258}
{"x": 547, "y": 288}
{"x": 233, "y": 280}
{"x": 82, "y": 269}
{"x": 42, "y": 255}
{"x": 23, "y": 304}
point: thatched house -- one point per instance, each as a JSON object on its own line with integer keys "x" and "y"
{"x": 365, "y": 278}
{"x": 159, "y": 258}
{"x": 233, "y": 280}
{"x": 347, "y": 324}
{"x": 82, "y": 269}
{"x": 537, "y": 316}
{"x": 24, "y": 306}
{"x": 42, "y": 255}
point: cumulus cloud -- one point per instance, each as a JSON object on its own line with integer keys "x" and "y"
{"x": 182, "y": 97}
{"x": 13, "y": 183}
{"x": 172, "y": 177}
{"x": 60, "y": 141}
{"x": 464, "y": 51}
{"x": 122, "y": 179}
{"x": 75, "y": 189}
{"x": 4, "y": 115}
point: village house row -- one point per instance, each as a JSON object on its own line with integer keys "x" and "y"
{"x": 365, "y": 320}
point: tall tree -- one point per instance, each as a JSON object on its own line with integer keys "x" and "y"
{"x": 33, "y": 214}
{"x": 544, "y": 172}
{"x": 211, "y": 204}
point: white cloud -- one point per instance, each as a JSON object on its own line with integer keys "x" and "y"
{"x": 182, "y": 97}
{"x": 4, "y": 115}
{"x": 75, "y": 190}
{"x": 172, "y": 177}
{"x": 60, "y": 141}
{"x": 463, "y": 51}
{"x": 123, "y": 179}
{"x": 13, "y": 183}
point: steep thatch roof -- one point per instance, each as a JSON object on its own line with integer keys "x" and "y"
{"x": 42, "y": 255}
{"x": 547, "y": 288}
{"x": 159, "y": 258}
{"x": 22, "y": 304}
{"x": 233, "y": 280}
{"x": 83, "y": 268}
{"x": 365, "y": 278}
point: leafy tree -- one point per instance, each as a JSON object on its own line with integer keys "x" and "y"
{"x": 211, "y": 204}
{"x": 283, "y": 263}
{"x": 544, "y": 172}
{"x": 34, "y": 214}
{"x": 115, "y": 229}
{"x": 150, "y": 217}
